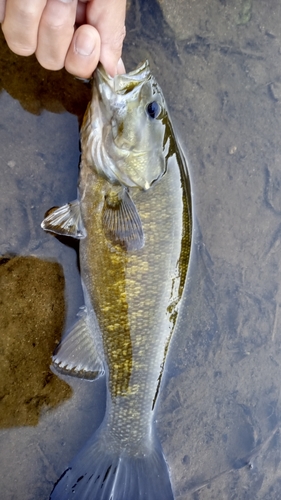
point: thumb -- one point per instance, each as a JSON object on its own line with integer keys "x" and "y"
{"x": 108, "y": 17}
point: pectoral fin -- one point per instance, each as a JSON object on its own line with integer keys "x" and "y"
{"x": 121, "y": 221}
{"x": 76, "y": 355}
{"x": 66, "y": 221}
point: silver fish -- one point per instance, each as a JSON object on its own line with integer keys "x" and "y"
{"x": 133, "y": 219}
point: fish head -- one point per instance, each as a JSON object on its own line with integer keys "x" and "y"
{"x": 135, "y": 125}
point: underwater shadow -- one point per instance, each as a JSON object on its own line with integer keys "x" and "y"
{"x": 38, "y": 89}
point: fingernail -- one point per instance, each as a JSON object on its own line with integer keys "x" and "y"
{"x": 66, "y": 1}
{"x": 120, "y": 67}
{"x": 84, "y": 44}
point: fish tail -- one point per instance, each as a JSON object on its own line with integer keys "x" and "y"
{"x": 99, "y": 472}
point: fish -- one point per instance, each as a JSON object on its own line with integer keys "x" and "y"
{"x": 133, "y": 219}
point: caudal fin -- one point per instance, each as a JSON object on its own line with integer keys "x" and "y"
{"x": 99, "y": 473}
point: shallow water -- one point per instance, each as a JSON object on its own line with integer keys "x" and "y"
{"x": 219, "y": 65}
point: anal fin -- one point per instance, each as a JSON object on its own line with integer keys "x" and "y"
{"x": 66, "y": 221}
{"x": 76, "y": 354}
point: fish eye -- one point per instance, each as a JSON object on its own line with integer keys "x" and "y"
{"x": 153, "y": 109}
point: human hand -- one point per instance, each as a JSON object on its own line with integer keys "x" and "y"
{"x": 47, "y": 28}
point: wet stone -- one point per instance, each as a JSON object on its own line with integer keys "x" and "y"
{"x": 273, "y": 184}
{"x": 275, "y": 90}
{"x": 205, "y": 19}
{"x": 32, "y": 312}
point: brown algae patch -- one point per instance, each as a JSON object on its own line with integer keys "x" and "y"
{"x": 32, "y": 312}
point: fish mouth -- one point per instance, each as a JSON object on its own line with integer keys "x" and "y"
{"x": 123, "y": 84}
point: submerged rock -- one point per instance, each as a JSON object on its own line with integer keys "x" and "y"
{"x": 32, "y": 312}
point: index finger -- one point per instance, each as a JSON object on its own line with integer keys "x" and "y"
{"x": 108, "y": 17}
